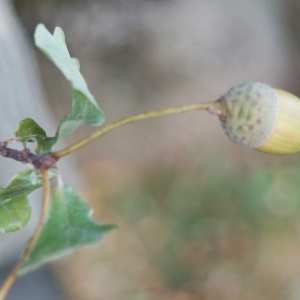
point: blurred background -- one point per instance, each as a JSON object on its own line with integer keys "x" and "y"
{"x": 199, "y": 218}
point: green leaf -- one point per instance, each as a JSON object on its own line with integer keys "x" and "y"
{"x": 29, "y": 129}
{"x": 14, "y": 214}
{"x": 15, "y": 209}
{"x": 85, "y": 109}
{"x": 23, "y": 184}
{"x": 69, "y": 225}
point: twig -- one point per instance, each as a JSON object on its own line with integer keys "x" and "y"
{"x": 213, "y": 107}
{"x": 45, "y": 161}
{"x": 31, "y": 243}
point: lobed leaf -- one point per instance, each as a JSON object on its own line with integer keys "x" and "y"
{"x": 85, "y": 109}
{"x": 69, "y": 225}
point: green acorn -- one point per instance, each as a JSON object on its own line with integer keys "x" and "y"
{"x": 257, "y": 116}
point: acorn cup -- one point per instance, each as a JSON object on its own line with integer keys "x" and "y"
{"x": 255, "y": 115}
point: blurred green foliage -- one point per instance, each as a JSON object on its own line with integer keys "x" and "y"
{"x": 200, "y": 223}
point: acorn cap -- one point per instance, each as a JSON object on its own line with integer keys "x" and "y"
{"x": 251, "y": 112}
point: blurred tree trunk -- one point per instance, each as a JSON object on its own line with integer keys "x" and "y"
{"x": 21, "y": 96}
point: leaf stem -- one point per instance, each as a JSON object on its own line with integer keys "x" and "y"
{"x": 31, "y": 243}
{"x": 213, "y": 107}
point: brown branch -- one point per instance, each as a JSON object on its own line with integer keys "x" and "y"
{"x": 43, "y": 161}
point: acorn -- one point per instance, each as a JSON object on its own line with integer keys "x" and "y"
{"x": 255, "y": 115}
